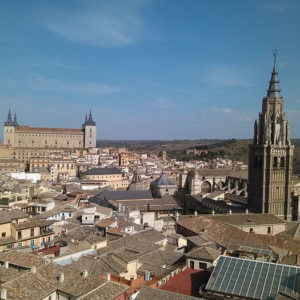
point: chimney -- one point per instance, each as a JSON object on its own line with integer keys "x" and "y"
{"x": 84, "y": 273}
{"x": 6, "y": 264}
{"x": 33, "y": 270}
{"x": 108, "y": 276}
{"x": 3, "y": 294}
{"x": 147, "y": 275}
{"x": 61, "y": 277}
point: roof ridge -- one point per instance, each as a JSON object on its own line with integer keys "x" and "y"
{"x": 26, "y": 273}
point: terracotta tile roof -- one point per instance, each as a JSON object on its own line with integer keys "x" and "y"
{"x": 248, "y": 219}
{"x": 6, "y": 216}
{"x": 32, "y": 223}
{"x": 127, "y": 255}
{"x": 49, "y": 213}
{"x": 97, "y": 266}
{"x": 160, "y": 262}
{"x": 7, "y": 240}
{"x": 41, "y": 284}
{"x": 115, "y": 230}
{"x": 149, "y": 235}
{"x": 9, "y": 274}
{"x": 198, "y": 240}
{"x": 147, "y": 293}
{"x": 25, "y": 129}
{"x": 225, "y": 235}
{"x": 22, "y": 259}
{"x": 107, "y": 291}
{"x": 105, "y": 223}
{"x": 204, "y": 252}
{"x": 103, "y": 210}
{"x": 162, "y": 257}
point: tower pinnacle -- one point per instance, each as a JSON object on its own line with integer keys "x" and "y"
{"x": 9, "y": 121}
{"x": 274, "y": 91}
{"x": 15, "y": 120}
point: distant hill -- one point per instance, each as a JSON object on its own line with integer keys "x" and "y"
{"x": 231, "y": 149}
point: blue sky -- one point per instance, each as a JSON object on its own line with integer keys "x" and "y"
{"x": 160, "y": 69}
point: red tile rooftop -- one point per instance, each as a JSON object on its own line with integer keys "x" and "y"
{"x": 186, "y": 282}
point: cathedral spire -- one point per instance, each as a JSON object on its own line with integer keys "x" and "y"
{"x": 9, "y": 121}
{"x": 15, "y": 120}
{"x": 274, "y": 91}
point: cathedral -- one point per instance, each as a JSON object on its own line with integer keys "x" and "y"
{"x": 271, "y": 157}
{"x": 19, "y": 136}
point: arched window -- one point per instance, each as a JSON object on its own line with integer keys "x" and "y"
{"x": 275, "y": 162}
{"x": 282, "y": 162}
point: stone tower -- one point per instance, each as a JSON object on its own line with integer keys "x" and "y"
{"x": 9, "y": 129}
{"x": 89, "y": 127}
{"x": 271, "y": 157}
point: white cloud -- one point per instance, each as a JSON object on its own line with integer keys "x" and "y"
{"x": 222, "y": 77}
{"x": 224, "y": 110}
{"x": 163, "y": 103}
{"x": 105, "y": 24}
{"x": 39, "y": 82}
{"x": 227, "y": 113}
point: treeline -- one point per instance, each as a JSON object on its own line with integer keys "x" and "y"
{"x": 214, "y": 145}
{"x": 230, "y": 149}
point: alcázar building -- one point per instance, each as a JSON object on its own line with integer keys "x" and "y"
{"x": 24, "y": 142}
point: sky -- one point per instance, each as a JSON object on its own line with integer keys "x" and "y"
{"x": 148, "y": 69}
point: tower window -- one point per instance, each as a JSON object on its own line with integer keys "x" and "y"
{"x": 275, "y": 162}
{"x": 282, "y": 162}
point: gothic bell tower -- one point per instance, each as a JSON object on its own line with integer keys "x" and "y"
{"x": 271, "y": 157}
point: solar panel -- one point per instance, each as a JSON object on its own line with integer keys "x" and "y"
{"x": 252, "y": 279}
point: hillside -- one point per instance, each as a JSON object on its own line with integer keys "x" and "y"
{"x": 232, "y": 149}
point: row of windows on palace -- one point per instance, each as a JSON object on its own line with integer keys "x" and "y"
{"x": 278, "y": 162}
{"x": 46, "y": 142}
{"x": 71, "y": 166}
{"x": 50, "y": 135}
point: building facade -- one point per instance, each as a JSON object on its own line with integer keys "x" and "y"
{"x": 107, "y": 176}
{"x": 271, "y": 157}
{"x": 18, "y": 136}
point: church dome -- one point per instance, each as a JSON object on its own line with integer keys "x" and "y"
{"x": 163, "y": 179}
